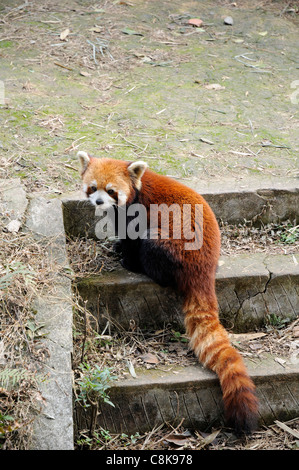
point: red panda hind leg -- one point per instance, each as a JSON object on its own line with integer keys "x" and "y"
{"x": 210, "y": 342}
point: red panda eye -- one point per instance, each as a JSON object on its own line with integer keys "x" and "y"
{"x": 93, "y": 189}
{"x": 110, "y": 191}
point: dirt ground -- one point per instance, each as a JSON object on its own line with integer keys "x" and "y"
{"x": 135, "y": 80}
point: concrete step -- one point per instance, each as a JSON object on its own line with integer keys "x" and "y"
{"x": 252, "y": 290}
{"x": 259, "y": 200}
{"x": 192, "y": 394}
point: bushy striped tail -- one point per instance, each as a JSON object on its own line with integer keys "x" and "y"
{"x": 210, "y": 342}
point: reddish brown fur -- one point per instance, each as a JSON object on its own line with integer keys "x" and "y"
{"x": 195, "y": 279}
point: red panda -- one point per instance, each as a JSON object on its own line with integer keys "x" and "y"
{"x": 113, "y": 183}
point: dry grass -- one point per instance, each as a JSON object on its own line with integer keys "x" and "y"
{"x": 25, "y": 272}
{"x": 279, "y": 436}
{"x": 280, "y": 238}
{"x": 89, "y": 256}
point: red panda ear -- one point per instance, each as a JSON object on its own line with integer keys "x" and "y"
{"x": 84, "y": 160}
{"x": 136, "y": 170}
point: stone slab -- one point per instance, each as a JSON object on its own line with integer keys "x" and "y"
{"x": 193, "y": 394}
{"x": 261, "y": 201}
{"x": 251, "y": 289}
{"x": 13, "y": 200}
{"x": 53, "y": 427}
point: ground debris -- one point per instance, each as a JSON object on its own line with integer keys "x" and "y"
{"x": 272, "y": 238}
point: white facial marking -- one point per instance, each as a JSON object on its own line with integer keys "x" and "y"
{"x": 101, "y": 195}
{"x": 122, "y": 198}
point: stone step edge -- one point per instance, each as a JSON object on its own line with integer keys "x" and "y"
{"x": 263, "y": 204}
{"x": 258, "y": 368}
{"x": 151, "y": 392}
{"x": 242, "y": 265}
{"x": 253, "y": 290}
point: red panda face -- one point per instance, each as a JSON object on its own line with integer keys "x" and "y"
{"x": 108, "y": 182}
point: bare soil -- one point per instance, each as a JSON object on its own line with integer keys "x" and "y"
{"x": 136, "y": 80}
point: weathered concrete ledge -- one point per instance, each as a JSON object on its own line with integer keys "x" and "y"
{"x": 260, "y": 201}
{"x": 251, "y": 290}
{"x": 53, "y": 427}
{"x": 13, "y": 202}
{"x": 193, "y": 393}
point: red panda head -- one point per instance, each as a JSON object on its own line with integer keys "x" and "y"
{"x": 109, "y": 182}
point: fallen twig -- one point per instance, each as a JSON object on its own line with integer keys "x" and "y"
{"x": 63, "y": 66}
{"x": 286, "y": 428}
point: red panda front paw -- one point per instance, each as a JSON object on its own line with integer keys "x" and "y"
{"x": 117, "y": 247}
{"x": 130, "y": 266}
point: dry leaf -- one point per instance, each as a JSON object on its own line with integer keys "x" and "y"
{"x": 207, "y": 439}
{"x": 206, "y": 141}
{"x": 195, "y": 22}
{"x": 150, "y": 358}
{"x": 85, "y": 74}
{"x": 96, "y": 29}
{"x": 286, "y": 428}
{"x": 131, "y": 368}
{"x": 239, "y": 337}
{"x": 296, "y": 331}
{"x": 64, "y": 34}
{"x": 178, "y": 439}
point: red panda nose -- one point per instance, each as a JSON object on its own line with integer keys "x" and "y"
{"x": 99, "y": 202}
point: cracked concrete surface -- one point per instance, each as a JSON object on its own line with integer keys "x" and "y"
{"x": 260, "y": 289}
{"x": 252, "y": 290}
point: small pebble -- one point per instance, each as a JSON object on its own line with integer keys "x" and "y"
{"x": 228, "y": 20}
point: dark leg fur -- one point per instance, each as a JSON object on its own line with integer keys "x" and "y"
{"x": 117, "y": 247}
{"x": 157, "y": 263}
{"x": 130, "y": 252}
{"x": 148, "y": 257}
